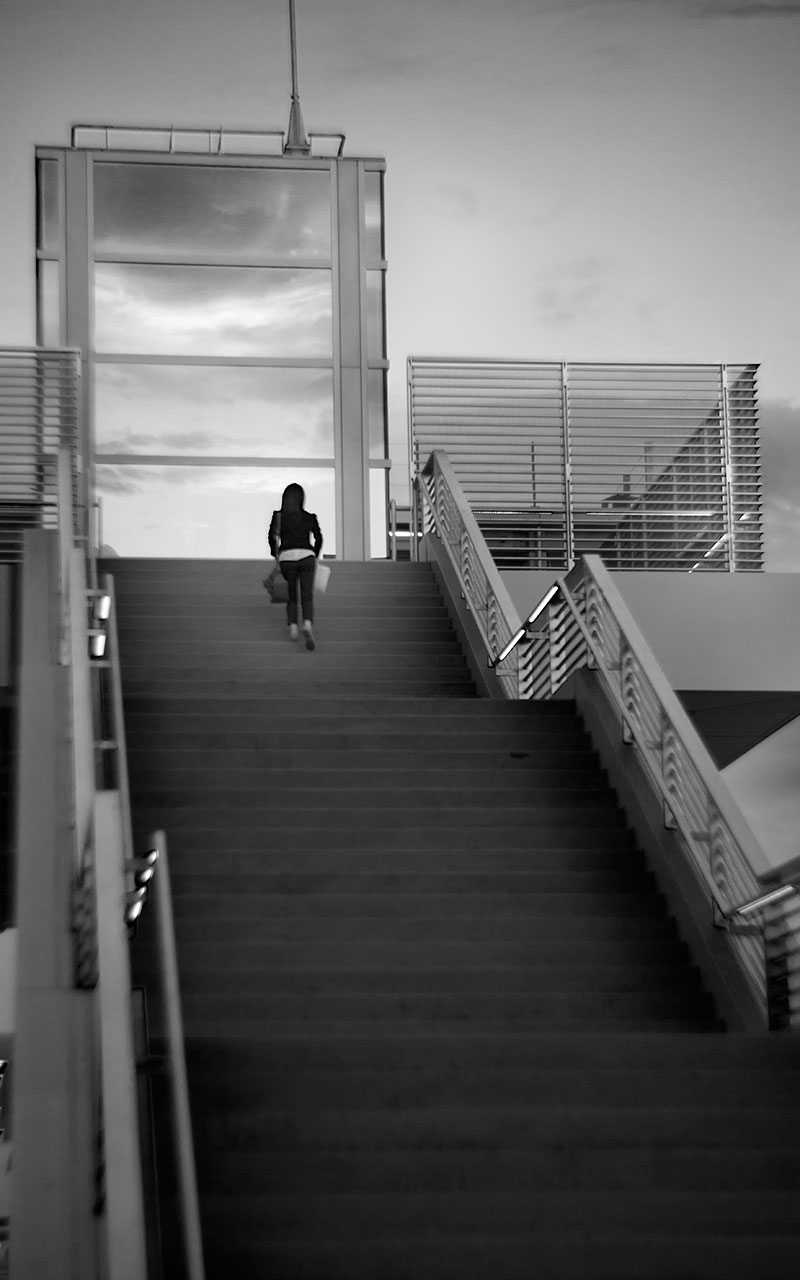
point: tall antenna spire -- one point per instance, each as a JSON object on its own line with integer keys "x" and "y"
{"x": 297, "y": 143}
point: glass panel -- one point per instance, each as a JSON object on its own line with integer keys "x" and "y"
{"x": 373, "y": 216}
{"x": 375, "y": 327}
{"x": 214, "y": 409}
{"x": 254, "y": 214}
{"x": 48, "y": 303}
{"x": 47, "y": 211}
{"x": 378, "y": 514}
{"x": 205, "y": 512}
{"x": 223, "y": 311}
{"x": 376, "y": 388}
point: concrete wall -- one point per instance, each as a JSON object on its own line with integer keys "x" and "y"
{"x": 708, "y": 631}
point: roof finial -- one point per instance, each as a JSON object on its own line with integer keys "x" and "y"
{"x": 297, "y": 142}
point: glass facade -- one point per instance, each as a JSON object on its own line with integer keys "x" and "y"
{"x": 203, "y": 512}
{"x": 221, "y": 322}
{"x": 213, "y": 410}
{"x": 190, "y": 213}
{"x": 212, "y": 311}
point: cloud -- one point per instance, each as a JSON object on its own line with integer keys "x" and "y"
{"x": 698, "y": 10}
{"x": 741, "y": 9}
{"x": 461, "y": 202}
{"x": 571, "y": 293}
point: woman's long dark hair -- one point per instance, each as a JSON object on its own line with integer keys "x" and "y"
{"x": 293, "y": 499}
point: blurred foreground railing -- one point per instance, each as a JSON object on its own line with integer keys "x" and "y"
{"x": 146, "y": 874}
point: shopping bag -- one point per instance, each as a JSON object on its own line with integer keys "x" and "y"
{"x": 276, "y": 586}
{"x": 321, "y": 577}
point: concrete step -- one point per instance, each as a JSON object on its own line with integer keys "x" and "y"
{"x": 205, "y": 882}
{"x": 203, "y": 874}
{"x": 367, "y": 906}
{"x": 298, "y": 1083}
{"x": 170, "y": 651}
{"x": 311, "y": 825}
{"x": 375, "y": 968}
{"x": 306, "y": 682}
{"x": 265, "y": 664}
{"x": 401, "y": 998}
{"x": 419, "y": 714}
{"x": 466, "y": 1251}
{"x": 399, "y": 934}
{"x": 452, "y": 892}
{"x": 499, "y": 780}
{"x": 573, "y": 1169}
{"x": 730, "y": 1057}
{"x": 387, "y": 609}
{"x": 222, "y": 844}
{"x": 379, "y": 1015}
{"x": 202, "y": 592}
{"x": 501, "y": 941}
{"x": 392, "y": 797}
{"x": 341, "y": 741}
{"x": 616, "y": 940}
{"x": 740, "y": 1132}
{"x": 253, "y": 623}
{"x": 151, "y": 567}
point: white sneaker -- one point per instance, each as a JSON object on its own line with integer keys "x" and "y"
{"x": 293, "y": 632}
{"x": 309, "y": 635}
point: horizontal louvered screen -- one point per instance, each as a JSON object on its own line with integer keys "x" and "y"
{"x": 39, "y": 413}
{"x": 649, "y": 466}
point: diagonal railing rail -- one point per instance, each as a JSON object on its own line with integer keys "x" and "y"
{"x": 442, "y": 508}
{"x": 583, "y": 622}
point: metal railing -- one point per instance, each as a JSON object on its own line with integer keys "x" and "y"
{"x": 141, "y": 877}
{"x": 174, "y": 140}
{"x": 176, "y": 1064}
{"x": 40, "y": 391}
{"x": 76, "y": 838}
{"x": 584, "y": 622}
{"x": 441, "y": 507}
{"x": 652, "y": 466}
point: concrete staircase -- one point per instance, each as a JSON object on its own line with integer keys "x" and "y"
{"x": 438, "y": 1020}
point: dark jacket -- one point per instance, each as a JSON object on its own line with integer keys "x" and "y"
{"x": 294, "y": 530}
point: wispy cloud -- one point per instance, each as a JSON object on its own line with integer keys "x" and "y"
{"x": 571, "y": 293}
{"x": 741, "y": 8}
{"x": 692, "y": 9}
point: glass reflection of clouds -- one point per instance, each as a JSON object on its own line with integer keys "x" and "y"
{"x": 48, "y": 206}
{"x": 214, "y": 410}
{"x": 189, "y": 211}
{"x": 225, "y": 311}
{"x": 205, "y": 512}
{"x": 373, "y": 217}
{"x": 376, "y": 342}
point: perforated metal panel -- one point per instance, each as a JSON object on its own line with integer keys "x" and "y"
{"x": 651, "y": 466}
{"x": 39, "y": 414}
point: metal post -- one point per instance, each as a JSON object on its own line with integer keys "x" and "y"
{"x": 569, "y": 538}
{"x": 727, "y": 454}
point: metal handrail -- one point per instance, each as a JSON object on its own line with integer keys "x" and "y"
{"x": 445, "y": 512}
{"x": 176, "y": 1055}
{"x": 168, "y": 968}
{"x": 584, "y": 622}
